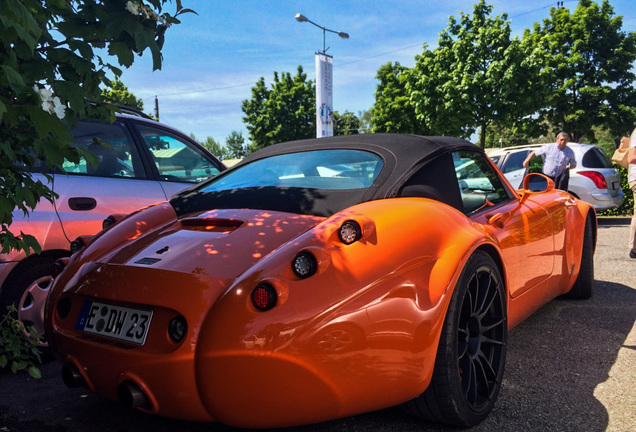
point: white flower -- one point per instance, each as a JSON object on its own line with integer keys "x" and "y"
{"x": 58, "y": 108}
{"x": 132, "y": 7}
{"x": 45, "y": 94}
{"x": 149, "y": 13}
{"x": 50, "y": 104}
{"x": 143, "y": 10}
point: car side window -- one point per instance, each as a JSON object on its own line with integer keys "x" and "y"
{"x": 115, "y": 154}
{"x": 515, "y": 160}
{"x": 177, "y": 159}
{"x": 434, "y": 180}
{"x": 479, "y": 183}
{"x": 596, "y": 158}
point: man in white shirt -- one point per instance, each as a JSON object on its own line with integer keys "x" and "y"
{"x": 558, "y": 160}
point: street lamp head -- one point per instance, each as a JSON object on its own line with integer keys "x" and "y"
{"x": 343, "y": 35}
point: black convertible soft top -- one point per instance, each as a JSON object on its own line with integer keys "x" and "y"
{"x": 401, "y": 155}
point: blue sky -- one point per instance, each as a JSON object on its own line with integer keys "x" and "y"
{"x": 213, "y": 59}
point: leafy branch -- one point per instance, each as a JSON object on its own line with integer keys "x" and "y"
{"x": 19, "y": 345}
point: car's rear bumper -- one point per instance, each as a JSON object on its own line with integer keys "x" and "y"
{"x": 604, "y": 201}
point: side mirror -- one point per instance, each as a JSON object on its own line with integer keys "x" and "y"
{"x": 536, "y": 182}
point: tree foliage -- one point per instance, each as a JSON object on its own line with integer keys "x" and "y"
{"x": 118, "y": 93}
{"x": 393, "y": 110}
{"x": 590, "y": 61}
{"x": 476, "y": 76}
{"x": 52, "y": 64}
{"x": 346, "y": 123}
{"x": 284, "y": 112}
{"x": 235, "y": 144}
{"x": 366, "y": 120}
{"x": 213, "y": 146}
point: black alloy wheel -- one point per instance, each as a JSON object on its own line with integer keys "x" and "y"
{"x": 472, "y": 351}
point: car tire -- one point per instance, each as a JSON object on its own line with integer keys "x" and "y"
{"x": 471, "y": 355}
{"x": 27, "y": 288}
{"x": 31, "y": 307}
{"x": 23, "y": 276}
{"x": 583, "y": 287}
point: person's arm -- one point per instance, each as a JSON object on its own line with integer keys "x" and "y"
{"x": 572, "y": 163}
{"x": 631, "y": 156}
{"x": 527, "y": 161}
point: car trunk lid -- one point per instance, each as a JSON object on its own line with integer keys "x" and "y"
{"x": 219, "y": 243}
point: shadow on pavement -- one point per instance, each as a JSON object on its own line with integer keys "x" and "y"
{"x": 556, "y": 360}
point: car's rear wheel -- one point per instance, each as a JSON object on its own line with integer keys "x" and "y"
{"x": 583, "y": 287}
{"x": 31, "y": 307}
{"x": 472, "y": 351}
{"x": 27, "y": 288}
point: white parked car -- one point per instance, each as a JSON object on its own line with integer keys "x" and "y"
{"x": 594, "y": 179}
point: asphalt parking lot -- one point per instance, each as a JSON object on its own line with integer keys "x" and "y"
{"x": 570, "y": 367}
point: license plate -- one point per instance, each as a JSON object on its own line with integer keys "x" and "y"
{"x": 615, "y": 185}
{"x": 117, "y": 322}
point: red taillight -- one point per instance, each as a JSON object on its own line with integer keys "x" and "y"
{"x": 264, "y": 297}
{"x": 596, "y": 177}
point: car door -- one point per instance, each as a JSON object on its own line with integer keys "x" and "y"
{"x": 115, "y": 181}
{"x": 179, "y": 161}
{"x": 525, "y": 232}
{"x": 513, "y": 169}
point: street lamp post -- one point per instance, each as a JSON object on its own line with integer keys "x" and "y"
{"x": 324, "y": 83}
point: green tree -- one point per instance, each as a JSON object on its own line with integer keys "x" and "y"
{"x": 366, "y": 120}
{"x": 215, "y": 148}
{"x": 476, "y": 76}
{"x": 236, "y": 146}
{"x": 346, "y": 123}
{"x": 285, "y": 112}
{"x": 51, "y": 67}
{"x": 393, "y": 110}
{"x": 117, "y": 93}
{"x": 590, "y": 62}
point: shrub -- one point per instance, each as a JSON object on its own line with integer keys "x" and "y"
{"x": 19, "y": 350}
{"x": 627, "y": 208}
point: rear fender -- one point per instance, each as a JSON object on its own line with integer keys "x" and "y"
{"x": 577, "y": 215}
{"x": 402, "y": 272}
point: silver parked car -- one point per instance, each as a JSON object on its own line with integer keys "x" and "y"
{"x": 140, "y": 162}
{"x": 594, "y": 179}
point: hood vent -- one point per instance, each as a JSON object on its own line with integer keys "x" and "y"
{"x": 211, "y": 224}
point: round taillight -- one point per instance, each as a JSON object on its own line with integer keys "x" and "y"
{"x": 304, "y": 265}
{"x": 350, "y": 232}
{"x": 76, "y": 245}
{"x": 177, "y": 328}
{"x": 264, "y": 297}
{"x": 108, "y": 222}
{"x": 57, "y": 268}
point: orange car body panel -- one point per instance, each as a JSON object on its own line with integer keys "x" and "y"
{"x": 247, "y": 368}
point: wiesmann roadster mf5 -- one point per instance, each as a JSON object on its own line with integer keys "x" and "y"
{"x": 319, "y": 279}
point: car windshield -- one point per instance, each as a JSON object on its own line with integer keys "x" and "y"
{"x": 320, "y": 169}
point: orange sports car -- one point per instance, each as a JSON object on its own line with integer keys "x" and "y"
{"x": 319, "y": 279}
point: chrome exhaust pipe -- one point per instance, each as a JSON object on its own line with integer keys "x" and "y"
{"x": 72, "y": 376}
{"x": 131, "y": 396}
